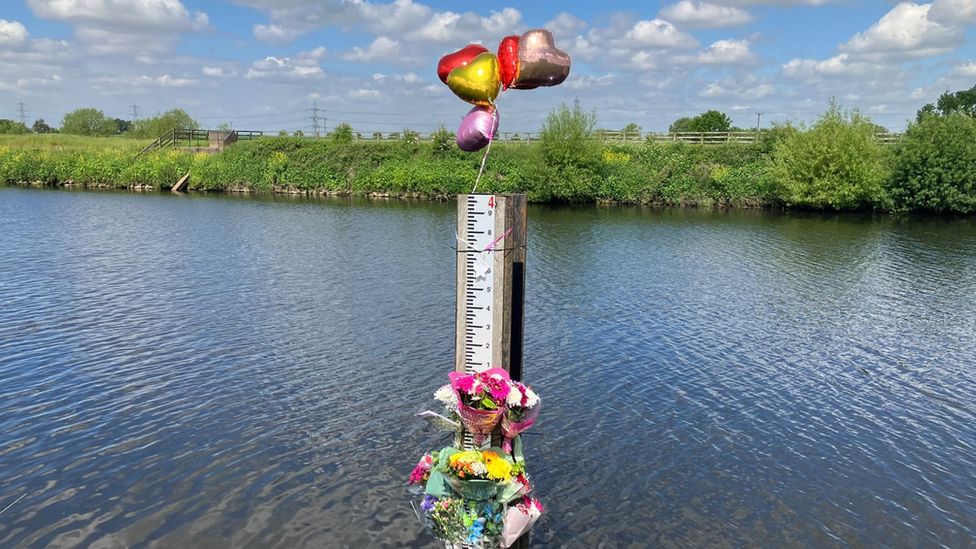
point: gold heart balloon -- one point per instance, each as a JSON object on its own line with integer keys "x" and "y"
{"x": 477, "y": 82}
{"x": 541, "y": 63}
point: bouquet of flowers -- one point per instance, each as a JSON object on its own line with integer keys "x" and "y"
{"x": 479, "y": 399}
{"x": 477, "y": 474}
{"x": 443, "y": 517}
{"x": 457, "y": 521}
{"x": 421, "y": 473}
{"x": 522, "y": 407}
{"x": 519, "y": 520}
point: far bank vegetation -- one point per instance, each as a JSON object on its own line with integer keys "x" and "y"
{"x": 835, "y": 163}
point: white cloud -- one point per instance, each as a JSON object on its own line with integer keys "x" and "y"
{"x": 878, "y": 108}
{"x": 106, "y": 42}
{"x": 24, "y": 83}
{"x": 581, "y": 49}
{"x": 284, "y": 68}
{"x": 953, "y": 12}
{"x": 276, "y": 35}
{"x": 317, "y": 54}
{"x": 442, "y": 27}
{"x": 565, "y": 25}
{"x": 692, "y": 14}
{"x": 201, "y": 22}
{"x": 363, "y": 94}
{"x": 125, "y": 15}
{"x": 655, "y": 34}
{"x": 837, "y": 66}
{"x": 165, "y": 81}
{"x": 12, "y": 33}
{"x": 410, "y": 78}
{"x": 382, "y": 50}
{"x": 643, "y": 61}
{"x": 729, "y": 87}
{"x": 727, "y": 52}
{"x": 966, "y": 69}
{"x": 905, "y": 32}
{"x": 502, "y": 22}
{"x": 393, "y": 18}
{"x": 589, "y": 81}
{"x": 782, "y": 3}
{"x": 218, "y": 72}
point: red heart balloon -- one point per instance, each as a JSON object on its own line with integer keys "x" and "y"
{"x": 508, "y": 60}
{"x": 457, "y": 59}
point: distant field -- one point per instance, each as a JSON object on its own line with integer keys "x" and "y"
{"x": 71, "y": 142}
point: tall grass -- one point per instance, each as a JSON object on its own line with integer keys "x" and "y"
{"x": 72, "y": 142}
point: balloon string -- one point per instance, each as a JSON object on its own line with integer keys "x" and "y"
{"x": 493, "y": 242}
{"x": 491, "y": 137}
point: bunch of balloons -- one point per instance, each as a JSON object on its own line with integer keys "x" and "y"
{"x": 477, "y": 76}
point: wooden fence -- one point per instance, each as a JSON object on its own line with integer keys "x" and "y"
{"x": 692, "y": 138}
{"x": 205, "y": 138}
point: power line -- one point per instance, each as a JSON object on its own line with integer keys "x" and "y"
{"x": 135, "y": 112}
{"x": 23, "y": 113}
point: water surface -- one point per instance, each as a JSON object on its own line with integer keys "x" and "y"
{"x": 229, "y": 371}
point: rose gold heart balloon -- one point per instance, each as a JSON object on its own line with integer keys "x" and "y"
{"x": 541, "y": 63}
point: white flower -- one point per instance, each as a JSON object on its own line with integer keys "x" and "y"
{"x": 475, "y": 387}
{"x": 479, "y": 468}
{"x": 514, "y": 397}
{"x": 447, "y": 395}
{"x": 531, "y": 398}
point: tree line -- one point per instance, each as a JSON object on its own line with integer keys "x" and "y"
{"x": 92, "y": 122}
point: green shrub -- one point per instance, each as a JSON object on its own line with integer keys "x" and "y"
{"x": 837, "y": 164}
{"x": 935, "y": 165}
{"x": 156, "y": 126}
{"x": 342, "y": 133}
{"x": 443, "y": 139}
{"x": 567, "y": 163}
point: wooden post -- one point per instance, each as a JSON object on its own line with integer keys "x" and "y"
{"x": 502, "y": 250}
{"x": 506, "y": 260}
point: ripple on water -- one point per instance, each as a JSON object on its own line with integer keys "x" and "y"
{"x": 710, "y": 379}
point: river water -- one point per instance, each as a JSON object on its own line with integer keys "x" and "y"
{"x": 225, "y": 372}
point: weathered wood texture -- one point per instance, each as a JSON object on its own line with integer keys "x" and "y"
{"x": 508, "y": 266}
{"x": 182, "y": 183}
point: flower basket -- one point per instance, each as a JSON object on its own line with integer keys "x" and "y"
{"x": 475, "y": 490}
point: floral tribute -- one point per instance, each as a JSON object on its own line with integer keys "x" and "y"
{"x": 479, "y": 497}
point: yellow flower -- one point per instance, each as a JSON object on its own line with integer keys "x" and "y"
{"x": 498, "y": 467}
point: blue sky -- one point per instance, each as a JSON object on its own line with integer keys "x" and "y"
{"x": 264, "y": 64}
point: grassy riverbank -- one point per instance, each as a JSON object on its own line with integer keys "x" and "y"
{"x": 646, "y": 173}
{"x": 836, "y": 164}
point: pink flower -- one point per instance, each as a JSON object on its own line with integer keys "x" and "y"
{"x": 497, "y": 386}
{"x": 422, "y": 471}
{"x": 465, "y": 384}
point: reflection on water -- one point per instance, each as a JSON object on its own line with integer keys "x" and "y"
{"x": 241, "y": 371}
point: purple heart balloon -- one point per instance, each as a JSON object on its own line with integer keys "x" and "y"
{"x": 477, "y": 129}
